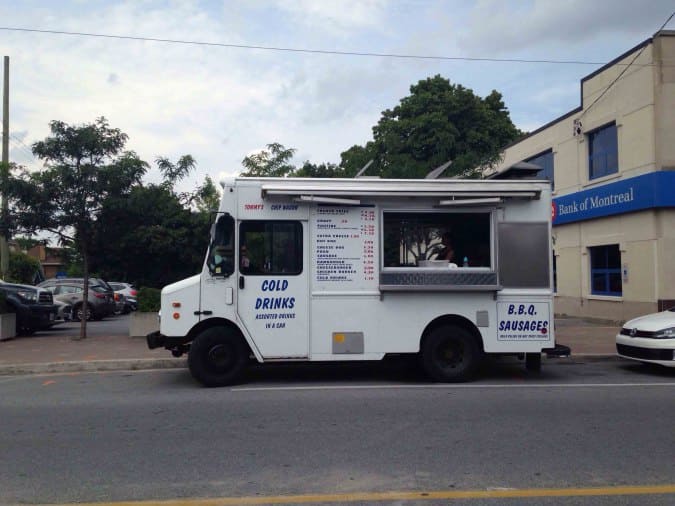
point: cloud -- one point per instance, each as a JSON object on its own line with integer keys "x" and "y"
{"x": 340, "y": 16}
{"x": 496, "y": 27}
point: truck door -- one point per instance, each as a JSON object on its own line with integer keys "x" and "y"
{"x": 273, "y": 286}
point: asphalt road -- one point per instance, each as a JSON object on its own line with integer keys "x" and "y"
{"x": 341, "y": 430}
{"x": 115, "y": 325}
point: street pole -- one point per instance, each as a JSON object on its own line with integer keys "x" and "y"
{"x": 4, "y": 247}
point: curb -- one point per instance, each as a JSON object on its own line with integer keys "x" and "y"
{"x": 93, "y": 366}
{"x": 147, "y": 364}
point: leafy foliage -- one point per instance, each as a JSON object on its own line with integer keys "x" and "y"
{"x": 84, "y": 166}
{"x": 309, "y": 169}
{"x": 149, "y": 237}
{"x": 437, "y": 122}
{"x": 22, "y": 268}
{"x": 270, "y": 162}
{"x": 149, "y": 299}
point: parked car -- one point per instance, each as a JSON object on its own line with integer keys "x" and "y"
{"x": 129, "y": 292}
{"x": 34, "y": 307}
{"x": 63, "y": 311}
{"x": 108, "y": 308}
{"x": 649, "y": 338}
{"x": 98, "y": 301}
{"x": 120, "y": 303}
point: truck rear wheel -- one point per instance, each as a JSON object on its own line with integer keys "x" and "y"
{"x": 217, "y": 357}
{"x": 450, "y": 354}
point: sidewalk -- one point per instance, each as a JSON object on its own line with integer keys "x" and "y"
{"x": 51, "y": 354}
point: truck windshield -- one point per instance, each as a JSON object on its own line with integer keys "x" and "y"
{"x": 220, "y": 260}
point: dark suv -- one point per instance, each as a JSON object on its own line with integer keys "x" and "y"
{"x": 34, "y": 307}
{"x": 102, "y": 291}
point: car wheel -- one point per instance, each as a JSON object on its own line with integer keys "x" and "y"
{"x": 217, "y": 356}
{"x": 78, "y": 313}
{"x": 450, "y": 354}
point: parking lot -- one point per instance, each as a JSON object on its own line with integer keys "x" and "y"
{"x": 116, "y": 325}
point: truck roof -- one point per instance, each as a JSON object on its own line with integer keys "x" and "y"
{"x": 315, "y": 189}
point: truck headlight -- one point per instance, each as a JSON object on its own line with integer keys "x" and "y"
{"x": 28, "y": 296}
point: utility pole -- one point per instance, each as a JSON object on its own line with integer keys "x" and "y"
{"x": 4, "y": 247}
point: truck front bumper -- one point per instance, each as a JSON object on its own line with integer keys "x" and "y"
{"x": 157, "y": 340}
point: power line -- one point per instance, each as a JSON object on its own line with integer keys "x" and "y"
{"x": 625, "y": 69}
{"x": 306, "y": 51}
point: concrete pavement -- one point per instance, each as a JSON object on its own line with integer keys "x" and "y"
{"x": 57, "y": 352}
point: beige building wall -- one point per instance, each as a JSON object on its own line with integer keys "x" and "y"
{"x": 640, "y": 99}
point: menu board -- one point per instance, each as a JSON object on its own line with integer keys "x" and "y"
{"x": 345, "y": 247}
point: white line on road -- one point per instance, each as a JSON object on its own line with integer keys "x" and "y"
{"x": 450, "y": 386}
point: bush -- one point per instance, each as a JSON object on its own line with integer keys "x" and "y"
{"x": 149, "y": 300}
{"x": 22, "y": 268}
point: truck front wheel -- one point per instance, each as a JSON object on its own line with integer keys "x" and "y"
{"x": 217, "y": 357}
{"x": 450, "y": 354}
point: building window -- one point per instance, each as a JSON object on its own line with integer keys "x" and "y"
{"x": 606, "y": 270}
{"x": 545, "y": 161}
{"x": 603, "y": 153}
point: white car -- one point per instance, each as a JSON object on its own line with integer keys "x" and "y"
{"x": 649, "y": 338}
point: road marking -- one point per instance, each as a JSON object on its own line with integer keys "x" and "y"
{"x": 48, "y": 382}
{"x": 451, "y": 386}
{"x": 404, "y": 496}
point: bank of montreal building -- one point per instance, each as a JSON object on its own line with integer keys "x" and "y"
{"x": 611, "y": 162}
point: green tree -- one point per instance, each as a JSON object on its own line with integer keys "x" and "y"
{"x": 270, "y": 162}
{"x": 22, "y": 268}
{"x": 150, "y": 237}
{"x": 357, "y": 157}
{"x": 84, "y": 166}
{"x": 437, "y": 122}
{"x": 309, "y": 169}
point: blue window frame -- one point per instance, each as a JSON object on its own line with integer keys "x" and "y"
{"x": 545, "y": 161}
{"x": 603, "y": 152}
{"x": 606, "y": 270}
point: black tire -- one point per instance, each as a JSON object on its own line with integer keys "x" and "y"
{"x": 533, "y": 362}
{"x": 77, "y": 313}
{"x": 217, "y": 357}
{"x": 450, "y": 354}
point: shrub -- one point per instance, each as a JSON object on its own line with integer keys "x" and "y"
{"x": 149, "y": 300}
{"x": 22, "y": 268}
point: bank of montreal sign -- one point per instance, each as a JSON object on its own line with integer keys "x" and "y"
{"x": 656, "y": 189}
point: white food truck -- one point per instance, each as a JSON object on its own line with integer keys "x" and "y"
{"x": 358, "y": 269}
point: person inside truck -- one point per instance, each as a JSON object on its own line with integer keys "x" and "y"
{"x": 447, "y": 252}
{"x": 244, "y": 260}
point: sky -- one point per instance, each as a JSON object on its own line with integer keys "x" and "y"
{"x": 221, "y": 103}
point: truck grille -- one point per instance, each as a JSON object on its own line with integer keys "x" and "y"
{"x": 638, "y": 333}
{"x": 45, "y": 297}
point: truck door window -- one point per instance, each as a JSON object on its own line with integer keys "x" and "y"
{"x": 221, "y": 250}
{"x": 270, "y": 247}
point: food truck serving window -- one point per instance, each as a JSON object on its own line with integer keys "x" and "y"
{"x": 270, "y": 247}
{"x": 434, "y": 239}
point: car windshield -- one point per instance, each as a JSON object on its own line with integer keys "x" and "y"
{"x": 98, "y": 289}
